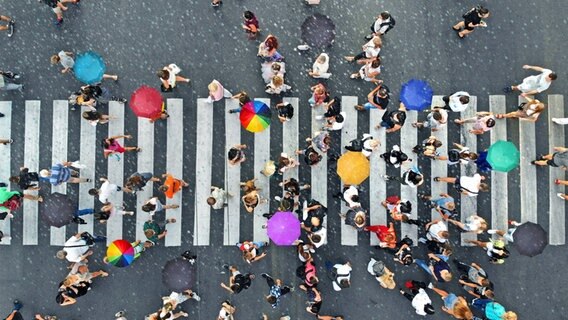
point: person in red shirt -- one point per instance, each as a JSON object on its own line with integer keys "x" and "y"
{"x": 172, "y": 185}
{"x": 386, "y": 235}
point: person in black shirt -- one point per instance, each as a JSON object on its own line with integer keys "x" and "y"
{"x": 472, "y": 19}
{"x": 378, "y": 98}
{"x": 311, "y": 156}
{"x": 285, "y": 111}
{"x": 332, "y": 108}
{"x": 26, "y": 179}
{"x": 393, "y": 120}
{"x": 237, "y": 281}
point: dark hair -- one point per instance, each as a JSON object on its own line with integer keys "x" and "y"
{"x": 376, "y": 63}
{"x": 339, "y": 118}
{"x": 406, "y": 207}
{"x": 490, "y": 122}
{"x": 428, "y": 308}
{"x": 105, "y": 143}
{"x": 383, "y": 92}
{"x": 271, "y": 43}
{"x": 211, "y": 201}
{"x": 407, "y": 260}
{"x": 91, "y": 115}
{"x": 316, "y": 238}
{"x": 437, "y": 143}
{"x": 248, "y": 15}
{"x": 355, "y": 198}
{"x": 482, "y": 10}
{"x": 464, "y": 99}
{"x": 553, "y": 76}
{"x": 385, "y": 15}
{"x": 234, "y": 154}
{"x": 327, "y": 139}
{"x": 271, "y": 299}
{"x": 148, "y": 207}
{"x": 163, "y": 74}
{"x": 93, "y": 192}
{"x": 402, "y": 157}
{"x": 14, "y": 179}
{"x": 437, "y": 115}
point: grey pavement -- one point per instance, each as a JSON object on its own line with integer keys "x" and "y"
{"x": 137, "y": 38}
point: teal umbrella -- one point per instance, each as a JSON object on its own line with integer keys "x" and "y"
{"x": 89, "y": 67}
{"x": 503, "y": 156}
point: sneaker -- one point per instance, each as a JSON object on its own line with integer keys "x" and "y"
{"x": 303, "y": 47}
{"x": 2, "y": 115}
{"x": 232, "y": 111}
{"x": 492, "y": 231}
{"x": 226, "y": 266}
{"x": 119, "y": 314}
{"x": 368, "y": 37}
{"x": 430, "y": 285}
{"x": 10, "y": 29}
{"x": 319, "y": 117}
{"x": 195, "y": 297}
{"x": 422, "y": 240}
{"x": 277, "y": 198}
{"x": 18, "y": 305}
{"x": 384, "y": 176}
{"x": 561, "y": 196}
{"x": 264, "y": 275}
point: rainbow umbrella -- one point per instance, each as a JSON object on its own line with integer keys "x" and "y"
{"x": 255, "y": 116}
{"x": 120, "y": 253}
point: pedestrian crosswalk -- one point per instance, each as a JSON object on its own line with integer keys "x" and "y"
{"x": 208, "y": 143}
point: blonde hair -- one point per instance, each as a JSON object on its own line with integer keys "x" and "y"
{"x": 277, "y": 81}
{"x": 377, "y": 42}
{"x": 213, "y": 87}
{"x": 461, "y": 310}
{"x": 44, "y": 173}
{"x": 387, "y": 279}
{"x": 54, "y": 59}
{"x": 510, "y": 315}
{"x": 373, "y": 143}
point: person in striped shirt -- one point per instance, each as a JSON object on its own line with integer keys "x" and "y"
{"x": 60, "y": 173}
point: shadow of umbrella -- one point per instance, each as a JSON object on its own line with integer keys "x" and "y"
{"x": 58, "y": 210}
{"x": 178, "y": 275}
{"x": 318, "y": 31}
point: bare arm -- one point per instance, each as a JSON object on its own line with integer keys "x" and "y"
{"x": 535, "y": 68}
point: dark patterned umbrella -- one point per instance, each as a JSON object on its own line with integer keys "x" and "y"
{"x": 58, "y": 210}
{"x": 530, "y": 239}
{"x": 178, "y": 275}
{"x": 318, "y": 31}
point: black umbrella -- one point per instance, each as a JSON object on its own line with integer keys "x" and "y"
{"x": 178, "y": 275}
{"x": 58, "y": 210}
{"x": 530, "y": 239}
{"x": 318, "y": 31}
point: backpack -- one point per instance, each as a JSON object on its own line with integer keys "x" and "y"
{"x": 391, "y": 23}
{"x": 51, "y": 3}
{"x": 454, "y": 155}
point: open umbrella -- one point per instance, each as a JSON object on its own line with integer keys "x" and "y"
{"x": 416, "y": 95}
{"x": 146, "y": 102}
{"x": 503, "y": 156}
{"x": 178, "y": 275}
{"x": 530, "y": 239}
{"x": 58, "y": 209}
{"x": 318, "y": 31}
{"x": 89, "y": 67}
{"x": 120, "y": 253}
{"x": 283, "y": 228}
{"x": 255, "y": 116}
{"x": 353, "y": 168}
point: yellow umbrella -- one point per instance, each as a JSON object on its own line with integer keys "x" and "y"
{"x": 353, "y": 167}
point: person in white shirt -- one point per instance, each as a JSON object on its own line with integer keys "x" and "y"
{"x": 370, "y": 49}
{"x": 382, "y": 25}
{"x": 435, "y": 120}
{"x": 336, "y": 122}
{"x": 351, "y": 196}
{"x": 473, "y": 223}
{"x": 534, "y": 84}
{"x": 320, "y": 68}
{"x": 75, "y": 250}
{"x": 106, "y": 190}
{"x": 457, "y": 102}
{"x": 218, "y": 198}
{"x": 469, "y": 186}
{"x": 419, "y": 298}
{"x": 437, "y": 230}
{"x": 318, "y": 238}
{"x": 343, "y": 276}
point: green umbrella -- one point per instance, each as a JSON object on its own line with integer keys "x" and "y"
{"x": 503, "y": 156}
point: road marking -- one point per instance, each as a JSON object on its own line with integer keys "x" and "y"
{"x": 409, "y": 139}
{"x": 145, "y": 163}
{"x": 174, "y": 167}
{"x": 377, "y": 185}
{"x": 557, "y": 226}
{"x": 439, "y": 168}
{"x": 6, "y": 133}
{"x": 58, "y": 155}
{"x": 527, "y": 147}
{"x": 232, "y": 212}
{"x": 261, "y": 155}
{"x": 499, "y": 194}
{"x": 348, "y": 133}
{"x": 115, "y": 170}
{"x": 468, "y": 205}
{"x": 31, "y": 161}
{"x": 319, "y": 171}
{"x": 87, "y": 157}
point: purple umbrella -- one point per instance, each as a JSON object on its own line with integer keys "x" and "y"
{"x": 284, "y": 228}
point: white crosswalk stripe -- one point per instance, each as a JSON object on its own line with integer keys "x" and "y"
{"x": 205, "y": 145}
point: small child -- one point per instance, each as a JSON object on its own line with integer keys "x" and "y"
{"x": 251, "y": 24}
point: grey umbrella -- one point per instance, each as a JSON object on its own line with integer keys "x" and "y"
{"x": 58, "y": 210}
{"x": 318, "y": 31}
{"x": 530, "y": 239}
{"x": 178, "y": 275}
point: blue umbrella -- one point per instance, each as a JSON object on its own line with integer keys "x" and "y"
{"x": 416, "y": 95}
{"x": 89, "y": 67}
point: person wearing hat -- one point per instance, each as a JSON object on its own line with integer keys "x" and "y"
{"x": 418, "y": 297}
{"x": 381, "y": 273}
{"x": 356, "y": 219}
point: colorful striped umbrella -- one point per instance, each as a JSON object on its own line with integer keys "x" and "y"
{"x": 120, "y": 253}
{"x": 255, "y": 116}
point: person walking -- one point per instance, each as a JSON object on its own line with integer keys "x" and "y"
{"x": 386, "y": 235}
{"x": 320, "y": 96}
{"x": 482, "y": 122}
{"x": 435, "y": 120}
{"x": 436, "y": 267}
{"x": 172, "y": 185}
{"x": 460, "y": 155}
{"x": 95, "y": 117}
{"x": 155, "y": 231}
{"x": 495, "y": 249}
{"x": 473, "y": 223}
{"x": 469, "y": 186}
{"x": 237, "y": 281}
{"x": 472, "y": 19}
{"x": 62, "y": 173}
{"x": 457, "y": 102}
{"x": 15, "y": 313}
{"x": 378, "y": 98}
{"x": 369, "y": 71}
{"x": 76, "y": 248}
{"x": 285, "y": 111}
{"x": 411, "y": 177}
{"x": 65, "y": 58}
{"x": 217, "y": 92}
{"x": 428, "y": 148}
{"x": 383, "y": 23}
{"x": 370, "y": 51}
{"x": 109, "y": 210}
{"x": 534, "y": 84}
{"x": 395, "y": 156}
{"x": 8, "y": 81}
{"x": 154, "y": 205}
{"x": 509, "y": 233}
{"x": 9, "y": 27}
{"x": 454, "y": 305}
{"x": 251, "y": 250}
{"x": 26, "y": 180}
{"x": 492, "y": 309}
{"x": 251, "y": 24}
{"x": 111, "y": 146}
{"x": 393, "y": 120}
{"x": 268, "y": 49}
{"x": 169, "y": 76}
{"x": 527, "y": 111}
{"x": 218, "y": 198}
{"x": 227, "y": 309}
{"x": 277, "y": 290}
{"x": 138, "y": 180}
{"x": 320, "y": 68}
{"x": 356, "y": 219}
{"x": 243, "y": 98}
{"x": 57, "y": 6}
{"x": 559, "y": 158}
{"x": 382, "y": 274}
{"x": 236, "y": 155}
{"x": 418, "y": 297}
{"x": 445, "y": 205}
{"x": 341, "y": 274}
{"x": 105, "y": 191}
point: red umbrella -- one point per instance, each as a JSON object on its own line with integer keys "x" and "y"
{"x": 146, "y": 102}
